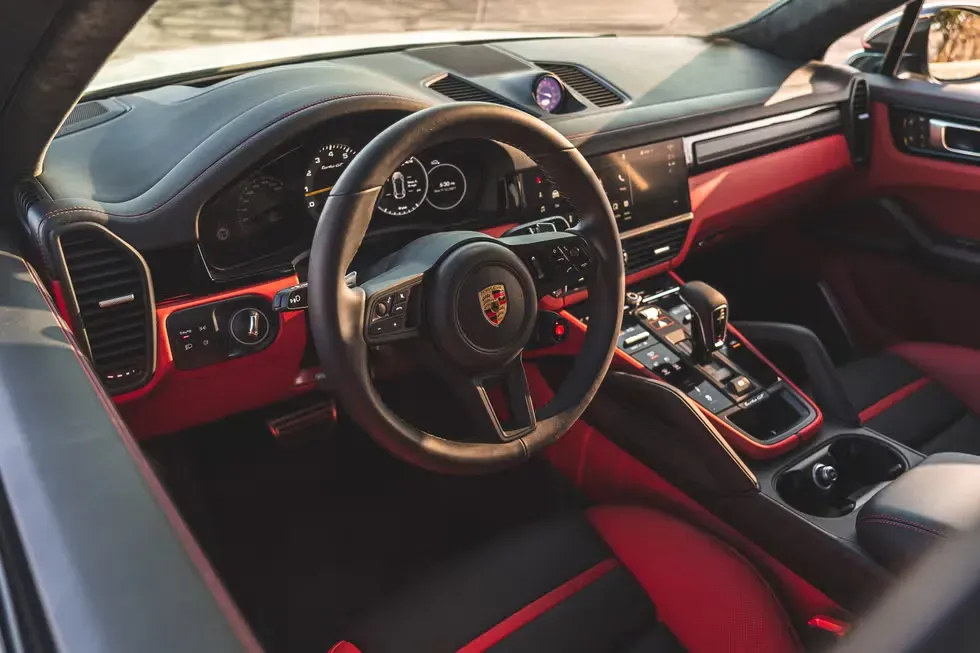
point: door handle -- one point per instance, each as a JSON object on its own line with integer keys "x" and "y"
{"x": 954, "y": 137}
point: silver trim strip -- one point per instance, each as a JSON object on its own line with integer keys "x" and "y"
{"x": 639, "y": 231}
{"x": 117, "y": 301}
{"x": 689, "y": 141}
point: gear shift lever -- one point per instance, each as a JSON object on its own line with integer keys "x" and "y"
{"x": 709, "y": 319}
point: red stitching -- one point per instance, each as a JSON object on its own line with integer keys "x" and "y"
{"x": 896, "y": 521}
{"x": 280, "y": 118}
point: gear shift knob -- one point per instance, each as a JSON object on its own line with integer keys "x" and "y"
{"x": 709, "y": 319}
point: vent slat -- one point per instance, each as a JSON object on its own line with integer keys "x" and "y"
{"x": 119, "y": 337}
{"x": 649, "y": 249}
{"x": 460, "y": 90}
{"x": 585, "y": 84}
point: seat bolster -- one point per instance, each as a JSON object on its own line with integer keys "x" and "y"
{"x": 708, "y": 595}
{"x": 955, "y": 368}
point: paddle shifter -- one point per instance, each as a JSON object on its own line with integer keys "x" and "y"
{"x": 709, "y": 319}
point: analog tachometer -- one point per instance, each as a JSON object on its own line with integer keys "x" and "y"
{"x": 324, "y": 171}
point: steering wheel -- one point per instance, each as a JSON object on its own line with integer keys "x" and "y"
{"x": 470, "y": 298}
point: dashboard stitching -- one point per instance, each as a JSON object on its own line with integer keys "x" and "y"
{"x": 227, "y": 154}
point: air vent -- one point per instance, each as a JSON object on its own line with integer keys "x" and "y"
{"x": 860, "y": 123}
{"x": 89, "y": 114}
{"x": 584, "y": 84}
{"x": 110, "y": 286}
{"x": 26, "y": 195}
{"x": 460, "y": 90}
{"x": 655, "y": 246}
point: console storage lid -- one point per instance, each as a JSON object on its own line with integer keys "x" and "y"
{"x": 938, "y": 498}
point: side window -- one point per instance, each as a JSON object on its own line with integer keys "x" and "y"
{"x": 944, "y": 45}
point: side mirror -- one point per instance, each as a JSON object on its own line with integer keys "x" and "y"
{"x": 954, "y": 45}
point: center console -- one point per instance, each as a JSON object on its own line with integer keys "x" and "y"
{"x": 666, "y": 333}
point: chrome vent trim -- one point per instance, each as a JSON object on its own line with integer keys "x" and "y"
{"x": 110, "y": 292}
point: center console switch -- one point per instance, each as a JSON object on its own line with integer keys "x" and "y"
{"x": 711, "y": 364}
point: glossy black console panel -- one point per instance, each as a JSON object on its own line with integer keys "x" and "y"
{"x": 737, "y": 386}
{"x": 840, "y": 475}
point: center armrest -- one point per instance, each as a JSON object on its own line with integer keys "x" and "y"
{"x": 936, "y": 499}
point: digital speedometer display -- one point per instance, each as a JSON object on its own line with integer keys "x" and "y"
{"x": 405, "y": 190}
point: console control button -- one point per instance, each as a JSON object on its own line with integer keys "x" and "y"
{"x": 710, "y": 397}
{"x": 657, "y": 357}
{"x": 634, "y": 338}
{"x": 739, "y": 386}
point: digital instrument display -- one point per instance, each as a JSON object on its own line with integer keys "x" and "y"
{"x": 645, "y": 185}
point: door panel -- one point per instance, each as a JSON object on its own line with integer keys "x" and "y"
{"x": 908, "y": 268}
{"x": 95, "y": 552}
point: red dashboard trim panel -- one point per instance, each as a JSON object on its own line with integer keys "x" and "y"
{"x": 177, "y": 399}
{"x": 749, "y": 192}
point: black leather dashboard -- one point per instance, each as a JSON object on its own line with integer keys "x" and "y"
{"x": 159, "y": 169}
{"x": 148, "y": 171}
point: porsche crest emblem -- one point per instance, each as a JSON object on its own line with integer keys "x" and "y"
{"x": 493, "y": 301}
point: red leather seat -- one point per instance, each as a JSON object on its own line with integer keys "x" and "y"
{"x": 624, "y": 579}
{"x": 926, "y": 396}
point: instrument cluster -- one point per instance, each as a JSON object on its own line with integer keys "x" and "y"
{"x": 269, "y": 214}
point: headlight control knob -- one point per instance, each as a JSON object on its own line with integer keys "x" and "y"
{"x": 249, "y": 326}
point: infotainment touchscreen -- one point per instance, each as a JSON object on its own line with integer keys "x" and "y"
{"x": 645, "y": 185}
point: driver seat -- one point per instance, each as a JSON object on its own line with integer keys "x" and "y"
{"x": 620, "y": 579}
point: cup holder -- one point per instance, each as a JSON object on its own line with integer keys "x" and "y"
{"x": 831, "y": 481}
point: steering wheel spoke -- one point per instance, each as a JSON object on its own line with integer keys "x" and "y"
{"x": 555, "y": 258}
{"x": 502, "y": 402}
{"x": 392, "y": 305}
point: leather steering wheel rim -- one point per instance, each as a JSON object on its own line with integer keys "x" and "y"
{"x": 338, "y": 313}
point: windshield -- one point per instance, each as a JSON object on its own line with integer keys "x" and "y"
{"x": 188, "y": 37}
{"x": 178, "y": 24}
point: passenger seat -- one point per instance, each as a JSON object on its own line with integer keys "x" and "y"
{"x": 926, "y": 396}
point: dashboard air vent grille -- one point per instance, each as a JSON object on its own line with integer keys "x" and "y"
{"x": 654, "y": 247}
{"x": 460, "y": 90}
{"x": 110, "y": 286}
{"x": 860, "y": 119}
{"x": 584, "y": 84}
{"x": 26, "y": 195}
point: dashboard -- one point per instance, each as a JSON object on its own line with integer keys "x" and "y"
{"x": 267, "y": 215}
{"x": 202, "y": 200}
